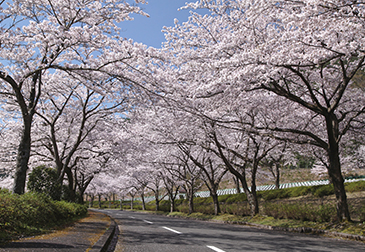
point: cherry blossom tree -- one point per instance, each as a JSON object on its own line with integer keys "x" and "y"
{"x": 212, "y": 170}
{"x": 39, "y": 37}
{"x": 171, "y": 184}
{"x": 157, "y": 128}
{"x": 190, "y": 175}
{"x": 304, "y": 53}
{"x": 80, "y": 124}
{"x": 139, "y": 179}
{"x": 277, "y": 159}
{"x": 242, "y": 155}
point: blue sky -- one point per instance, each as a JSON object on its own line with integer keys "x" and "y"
{"x": 162, "y": 13}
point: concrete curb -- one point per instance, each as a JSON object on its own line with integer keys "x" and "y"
{"x": 104, "y": 241}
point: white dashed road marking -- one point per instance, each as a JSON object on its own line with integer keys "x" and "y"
{"x": 215, "y": 249}
{"x": 148, "y": 222}
{"x": 172, "y": 230}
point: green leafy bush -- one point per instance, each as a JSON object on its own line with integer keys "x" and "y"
{"x": 240, "y": 208}
{"x": 204, "y": 208}
{"x": 276, "y": 194}
{"x": 324, "y": 190}
{"x": 303, "y": 212}
{"x": 362, "y": 214}
{"x": 33, "y": 213}
{"x": 179, "y": 201}
{"x": 183, "y": 207}
{"x": 45, "y": 180}
{"x": 199, "y": 201}
{"x": 223, "y": 198}
{"x": 300, "y": 191}
{"x": 234, "y": 198}
{"x": 355, "y": 186}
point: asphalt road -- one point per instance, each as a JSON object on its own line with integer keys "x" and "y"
{"x": 140, "y": 232}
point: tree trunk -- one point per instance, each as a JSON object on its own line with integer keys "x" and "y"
{"x": 237, "y": 183}
{"x": 82, "y": 188}
{"x": 80, "y": 198}
{"x": 71, "y": 187}
{"x": 172, "y": 205}
{"x": 251, "y": 198}
{"x": 334, "y": 169}
{"x": 132, "y": 202}
{"x": 255, "y": 202}
{"x": 172, "y": 196}
{"x": 214, "y": 196}
{"x": 99, "y": 199}
{"x": 191, "y": 202}
{"x": 143, "y": 201}
{"x": 334, "y": 172}
{"x": 121, "y": 204}
{"x": 23, "y": 157}
{"x": 157, "y": 201}
{"x": 91, "y": 201}
{"x": 277, "y": 176}
{"x": 27, "y": 116}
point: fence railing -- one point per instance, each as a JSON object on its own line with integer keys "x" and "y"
{"x": 205, "y": 194}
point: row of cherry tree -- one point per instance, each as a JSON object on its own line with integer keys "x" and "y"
{"x": 255, "y": 79}
{"x": 278, "y": 69}
{"x": 65, "y": 85}
{"x": 248, "y": 84}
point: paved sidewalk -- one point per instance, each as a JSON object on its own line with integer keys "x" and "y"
{"x": 88, "y": 234}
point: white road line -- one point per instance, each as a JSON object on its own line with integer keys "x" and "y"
{"x": 132, "y": 217}
{"x": 172, "y": 230}
{"x": 215, "y": 248}
{"x": 148, "y": 222}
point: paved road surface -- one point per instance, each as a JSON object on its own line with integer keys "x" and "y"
{"x": 142, "y": 232}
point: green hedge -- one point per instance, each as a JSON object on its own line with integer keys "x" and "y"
{"x": 355, "y": 186}
{"x": 33, "y": 213}
{"x": 299, "y": 211}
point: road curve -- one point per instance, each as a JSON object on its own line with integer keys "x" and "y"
{"x": 141, "y": 232}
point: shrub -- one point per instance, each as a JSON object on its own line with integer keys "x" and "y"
{"x": 362, "y": 214}
{"x": 164, "y": 206}
{"x": 303, "y": 212}
{"x": 300, "y": 191}
{"x": 355, "y": 186}
{"x": 44, "y": 180}
{"x": 32, "y": 213}
{"x": 324, "y": 190}
{"x": 276, "y": 194}
{"x": 236, "y": 198}
{"x": 241, "y": 208}
{"x": 205, "y": 201}
{"x": 179, "y": 201}
{"x": 325, "y": 213}
{"x": 204, "y": 208}
{"x": 184, "y": 208}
